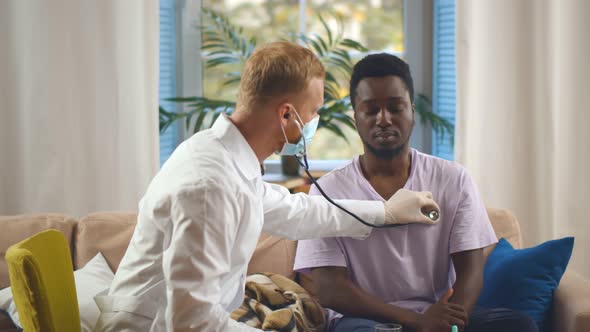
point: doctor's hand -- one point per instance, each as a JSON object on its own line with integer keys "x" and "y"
{"x": 407, "y": 206}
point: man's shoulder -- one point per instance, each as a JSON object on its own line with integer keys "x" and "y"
{"x": 440, "y": 167}
{"x": 345, "y": 171}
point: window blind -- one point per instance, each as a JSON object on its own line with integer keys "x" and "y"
{"x": 444, "y": 77}
{"x": 167, "y": 83}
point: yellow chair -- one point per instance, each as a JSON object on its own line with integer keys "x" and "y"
{"x": 42, "y": 281}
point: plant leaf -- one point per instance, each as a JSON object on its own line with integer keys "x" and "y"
{"x": 328, "y": 31}
{"x": 200, "y": 119}
{"x": 353, "y": 45}
{"x": 182, "y": 99}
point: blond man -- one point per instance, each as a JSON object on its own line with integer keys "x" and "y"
{"x": 202, "y": 214}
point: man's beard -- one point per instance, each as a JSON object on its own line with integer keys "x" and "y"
{"x": 386, "y": 154}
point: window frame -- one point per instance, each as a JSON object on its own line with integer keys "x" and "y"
{"x": 417, "y": 51}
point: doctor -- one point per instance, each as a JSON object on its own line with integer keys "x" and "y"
{"x": 202, "y": 214}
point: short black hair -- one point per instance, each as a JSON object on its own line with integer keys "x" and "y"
{"x": 380, "y": 65}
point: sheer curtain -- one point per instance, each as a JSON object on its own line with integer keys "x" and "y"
{"x": 523, "y": 113}
{"x": 78, "y": 104}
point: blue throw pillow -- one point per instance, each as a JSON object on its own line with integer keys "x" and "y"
{"x": 524, "y": 279}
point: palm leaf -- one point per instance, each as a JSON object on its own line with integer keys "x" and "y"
{"x": 322, "y": 42}
{"x": 343, "y": 54}
{"x": 315, "y": 46}
{"x": 336, "y": 130}
{"x": 199, "y": 121}
{"x": 332, "y": 90}
{"x": 353, "y": 45}
{"x": 232, "y": 81}
{"x": 182, "y": 99}
{"x": 328, "y": 31}
{"x": 440, "y": 125}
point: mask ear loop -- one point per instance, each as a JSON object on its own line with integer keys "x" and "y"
{"x": 296, "y": 123}
{"x": 284, "y": 134}
{"x": 300, "y": 124}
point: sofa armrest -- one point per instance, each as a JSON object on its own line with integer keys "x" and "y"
{"x": 571, "y": 304}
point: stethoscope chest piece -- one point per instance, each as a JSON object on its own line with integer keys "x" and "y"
{"x": 433, "y": 215}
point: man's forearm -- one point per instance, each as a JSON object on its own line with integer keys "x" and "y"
{"x": 469, "y": 270}
{"x": 350, "y": 300}
{"x": 466, "y": 292}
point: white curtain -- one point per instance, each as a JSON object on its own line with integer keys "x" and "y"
{"x": 78, "y": 104}
{"x": 524, "y": 110}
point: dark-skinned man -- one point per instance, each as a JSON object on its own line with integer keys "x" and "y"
{"x": 424, "y": 278}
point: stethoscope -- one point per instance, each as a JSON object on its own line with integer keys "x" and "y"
{"x": 433, "y": 215}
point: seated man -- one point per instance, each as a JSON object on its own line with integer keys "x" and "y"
{"x": 424, "y": 278}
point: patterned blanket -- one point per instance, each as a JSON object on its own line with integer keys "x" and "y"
{"x": 276, "y": 303}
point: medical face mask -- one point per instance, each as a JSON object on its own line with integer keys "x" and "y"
{"x": 307, "y": 132}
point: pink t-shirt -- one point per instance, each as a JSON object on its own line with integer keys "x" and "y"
{"x": 408, "y": 266}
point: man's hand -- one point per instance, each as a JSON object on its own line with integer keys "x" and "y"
{"x": 407, "y": 206}
{"x": 442, "y": 315}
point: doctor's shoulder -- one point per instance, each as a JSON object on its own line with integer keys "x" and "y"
{"x": 196, "y": 171}
{"x": 161, "y": 197}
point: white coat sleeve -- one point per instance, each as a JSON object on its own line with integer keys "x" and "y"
{"x": 300, "y": 216}
{"x": 204, "y": 221}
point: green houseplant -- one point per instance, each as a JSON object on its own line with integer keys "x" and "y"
{"x": 226, "y": 46}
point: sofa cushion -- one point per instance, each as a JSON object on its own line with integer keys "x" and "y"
{"x": 17, "y": 228}
{"x": 110, "y": 234}
{"x": 106, "y": 232}
{"x": 525, "y": 279}
{"x": 273, "y": 254}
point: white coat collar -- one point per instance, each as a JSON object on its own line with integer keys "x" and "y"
{"x": 233, "y": 140}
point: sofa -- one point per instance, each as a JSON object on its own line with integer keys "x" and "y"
{"x": 109, "y": 233}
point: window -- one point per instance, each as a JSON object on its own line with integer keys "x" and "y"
{"x": 444, "y": 80}
{"x": 167, "y": 83}
{"x": 362, "y": 20}
{"x": 276, "y": 20}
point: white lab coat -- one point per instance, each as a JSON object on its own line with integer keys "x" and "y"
{"x": 197, "y": 227}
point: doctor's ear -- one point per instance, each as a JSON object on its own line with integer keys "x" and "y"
{"x": 284, "y": 111}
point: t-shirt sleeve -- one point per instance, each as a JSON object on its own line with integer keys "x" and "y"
{"x": 318, "y": 252}
{"x": 471, "y": 227}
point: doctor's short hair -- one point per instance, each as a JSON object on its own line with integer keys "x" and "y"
{"x": 380, "y": 65}
{"x": 277, "y": 69}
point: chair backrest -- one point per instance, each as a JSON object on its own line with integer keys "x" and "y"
{"x": 42, "y": 280}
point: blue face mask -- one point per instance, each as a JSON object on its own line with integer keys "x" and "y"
{"x": 307, "y": 132}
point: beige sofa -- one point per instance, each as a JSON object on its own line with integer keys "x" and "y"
{"x": 109, "y": 233}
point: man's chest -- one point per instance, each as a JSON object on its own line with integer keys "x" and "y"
{"x": 385, "y": 187}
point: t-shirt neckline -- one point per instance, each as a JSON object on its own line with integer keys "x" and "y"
{"x": 365, "y": 182}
